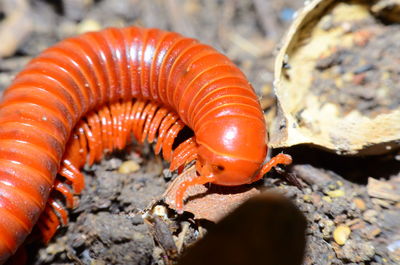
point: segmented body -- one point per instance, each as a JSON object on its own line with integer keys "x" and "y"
{"x": 87, "y": 94}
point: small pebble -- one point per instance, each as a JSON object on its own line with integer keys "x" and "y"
{"x": 356, "y": 224}
{"x": 327, "y": 199}
{"x": 341, "y": 234}
{"x": 97, "y": 262}
{"x": 353, "y": 222}
{"x": 336, "y": 193}
{"x": 307, "y": 198}
{"x": 394, "y": 246}
{"x": 356, "y": 251}
{"x": 327, "y": 228}
{"x": 161, "y": 210}
{"x": 339, "y": 219}
{"x": 316, "y": 199}
{"x": 382, "y": 203}
{"x": 363, "y": 68}
{"x": 360, "y": 204}
{"x": 332, "y": 186}
{"x": 383, "y": 190}
{"x": 374, "y": 232}
{"x": 128, "y": 167}
{"x": 88, "y": 25}
{"x": 370, "y": 216}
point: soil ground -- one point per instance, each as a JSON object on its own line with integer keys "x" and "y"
{"x": 107, "y": 227}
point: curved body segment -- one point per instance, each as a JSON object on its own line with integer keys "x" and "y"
{"x": 87, "y": 94}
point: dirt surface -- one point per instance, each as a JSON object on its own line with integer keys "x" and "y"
{"x": 364, "y": 77}
{"x": 352, "y": 204}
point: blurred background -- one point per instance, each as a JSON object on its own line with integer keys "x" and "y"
{"x": 246, "y": 31}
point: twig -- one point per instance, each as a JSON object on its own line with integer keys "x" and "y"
{"x": 16, "y": 27}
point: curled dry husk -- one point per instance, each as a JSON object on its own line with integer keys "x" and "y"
{"x": 301, "y": 118}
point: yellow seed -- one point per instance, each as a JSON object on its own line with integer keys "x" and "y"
{"x": 88, "y": 25}
{"x": 266, "y": 89}
{"x": 360, "y": 204}
{"x": 307, "y": 198}
{"x": 327, "y": 199}
{"x": 128, "y": 167}
{"x": 341, "y": 234}
{"x": 335, "y": 193}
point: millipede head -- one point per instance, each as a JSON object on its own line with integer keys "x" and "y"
{"x": 225, "y": 170}
{"x": 234, "y": 153}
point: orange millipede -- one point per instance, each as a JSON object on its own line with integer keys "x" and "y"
{"x": 87, "y": 95}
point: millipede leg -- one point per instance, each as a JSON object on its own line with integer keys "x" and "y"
{"x": 74, "y": 175}
{"x": 65, "y": 191}
{"x": 58, "y": 208}
{"x": 278, "y": 159}
{"x": 140, "y": 124}
{"x": 95, "y": 127}
{"x": 125, "y": 133}
{"x": 147, "y": 124}
{"x": 155, "y": 124}
{"x": 170, "y": 138}
{"x": 198, "y": 180}
{"x": 82, "y": 142}
{"x": 106, "y": 125}
{"x": 107, "y": 129}
{"x": 164, "y": 127}
{"x": 92, "y": 143}
{"x": 183, "y": 154}
{"x": 115, "y": 110}
{"x": 136, "y": 118}
{"x": 48, "y": 224}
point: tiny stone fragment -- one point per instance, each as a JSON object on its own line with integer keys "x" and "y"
{"x": 341, "y": 234}
{"x": 370, "y": 216}
{"x": 336, "y": 193}
{"x": 327, "y": 199}
{"x": 371, "y": 232}
{"x": 327, "y": 228}
{"x": 394, "y": 250}
{"x": 128, "y": 167}
{"x": 360, "y": 204}
{"x": 380, "y": 202}
{"x": 356, "y": 251}
{"x": 383, "y": 190}
{"x": 88, "y": 25}
{"x": 312, "y": 175}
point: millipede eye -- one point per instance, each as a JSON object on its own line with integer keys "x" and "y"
{"x": 219, "y": 168}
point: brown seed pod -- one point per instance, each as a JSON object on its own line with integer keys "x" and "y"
{"x": 317, "y": 67}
